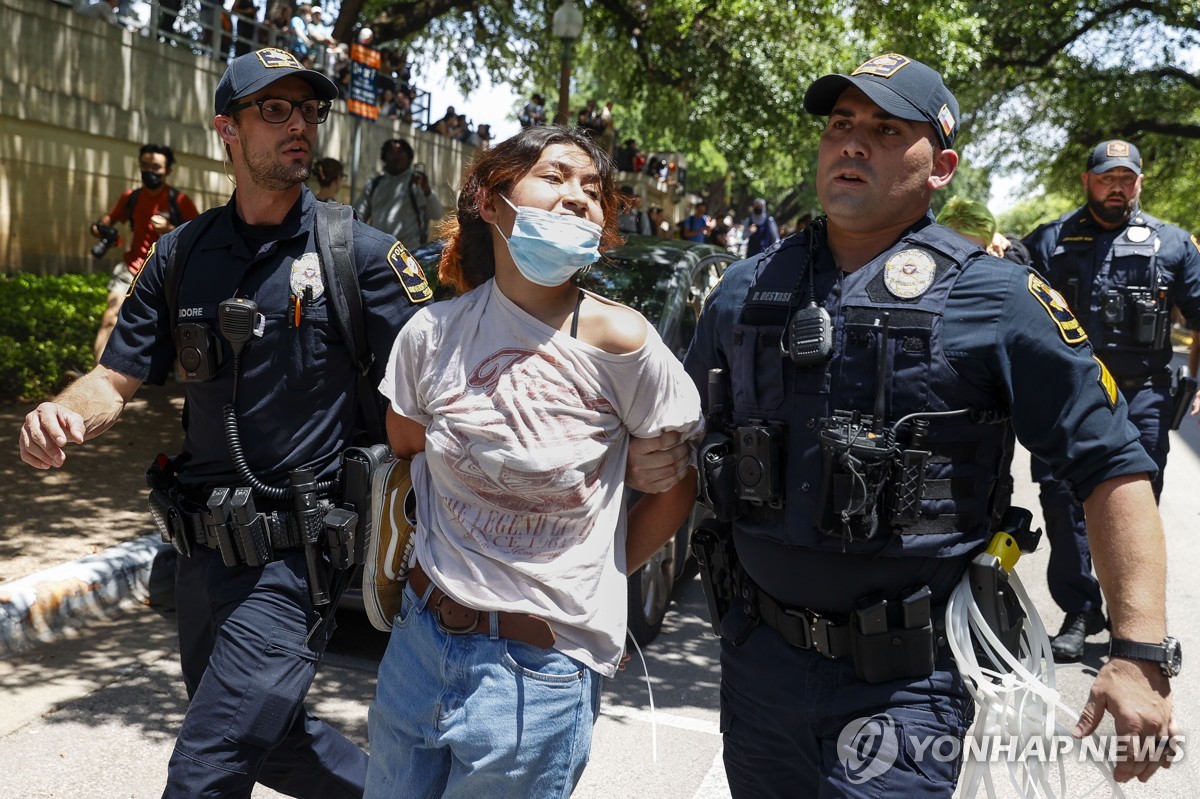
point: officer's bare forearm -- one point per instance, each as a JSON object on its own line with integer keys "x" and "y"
{"x": 99, "y": 397}
{"x": 655, "y": 518}
{"x": 1125, "y": 535}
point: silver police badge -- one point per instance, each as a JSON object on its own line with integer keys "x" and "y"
{"x": 1137, "y": 234}
{"x": 909, "y": 273}
{"x": 306, "y": 273}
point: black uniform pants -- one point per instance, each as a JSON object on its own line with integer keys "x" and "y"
{"x": 247, "y": 666}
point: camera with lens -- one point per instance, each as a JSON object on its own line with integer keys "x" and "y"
{"x": 759, "y": 467}
{"x": 1113, "y": 308}
{"x": 109, "y": 238}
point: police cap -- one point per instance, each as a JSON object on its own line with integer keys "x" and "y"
{"x": 249, "y": 73}
{"x": 901, "y": 86}
{"x": 1112, "y": 154}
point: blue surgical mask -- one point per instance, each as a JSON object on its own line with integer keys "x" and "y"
{"x": 548, "y": 248}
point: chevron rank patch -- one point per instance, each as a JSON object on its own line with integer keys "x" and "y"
{"x": 1108, "y": 384}
{"x": 1068, "y": 326}
{"x": 410, "y": 274}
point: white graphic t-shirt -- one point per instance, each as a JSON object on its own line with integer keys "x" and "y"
{"x": 520, "y": 490}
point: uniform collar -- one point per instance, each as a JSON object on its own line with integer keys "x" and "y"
{"x": 297, "y": 222}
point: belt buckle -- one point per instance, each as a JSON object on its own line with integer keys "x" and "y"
{"x": 805, "y": 627}
{"x": 458, "y": 629}
{"x": 819, "y": 634}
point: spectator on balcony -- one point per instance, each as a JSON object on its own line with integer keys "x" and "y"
{"x": 626, "y": 156}
{"x": 302, "y": 43}
{"x": 322, "y": 38}
{"x": 101, "y": 9}
{"x": 481, "y": 137}
{"x": 248, "y": 30}
{"x": 589, "y": 119}
{"x": 443, "y": 125}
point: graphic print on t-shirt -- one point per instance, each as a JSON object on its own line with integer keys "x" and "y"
{"x": 525, "y": 442}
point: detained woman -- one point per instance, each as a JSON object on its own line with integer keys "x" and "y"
{"x": 515, "y": 402}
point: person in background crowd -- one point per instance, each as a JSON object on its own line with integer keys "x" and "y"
{"x": 697, "y": 225}
{"x": 608, "y": 133}
{"x": 626, "y": 156}
{"x": 246, "y": 22}
{"x": 658, "y": 222}
{"x": 590, "y": 120}
{"x": 973, "y": 221}
{"x": 760, "y": 227}
{"x": 1123, "y": 271}
{"x": 329, "y": 173}
{"x": 152, "y": 209}
{"x": 631, "y": 218}
{"x": 533, "y": 113}
{"x": 518, "y": 435}
{"x": 836, "y": 586}
{"x": 252, "y": 622}
{"x": 399, "y": 201}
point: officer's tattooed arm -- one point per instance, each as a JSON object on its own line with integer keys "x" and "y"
{"x": 87, "y": 408}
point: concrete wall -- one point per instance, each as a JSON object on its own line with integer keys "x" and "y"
{"x": 77, "y": 99}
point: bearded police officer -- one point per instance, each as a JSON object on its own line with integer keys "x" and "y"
{"x": 250, "y": 316}
{"x": 866, "y": 377}
{"x": 1121, "y": 271}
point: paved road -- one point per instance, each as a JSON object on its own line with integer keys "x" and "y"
{"x": 95, "y": 716}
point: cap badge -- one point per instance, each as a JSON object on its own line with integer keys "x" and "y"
{"x": 274, "y": 58}
{"x": 883, "y": 66}
{"x": 909, "y": 273}
{"x": 946, "y": 120}
{"x": 1117, "y": 149}
{"x": 1137, "y": 234}
{"x": 306, "y": 274}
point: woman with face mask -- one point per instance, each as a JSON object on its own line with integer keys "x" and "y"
{"x": 515, "y": 402}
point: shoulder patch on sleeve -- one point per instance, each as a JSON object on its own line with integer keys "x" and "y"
{"x": 145, "y": 263}
{"x": 1068, "y": 326}
{"x": 1108, "y": 384}
{"x": 409, "y": 272}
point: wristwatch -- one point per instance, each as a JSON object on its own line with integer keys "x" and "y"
{"x": 1168, "y": 655}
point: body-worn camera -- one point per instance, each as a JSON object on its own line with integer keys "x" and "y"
{"x": 197, "y": 352}
{"x": 760, "y": 464}
{"x": 1145, "y": 317}
{"x": 1113, "y": 308}
{"x": 109, "y": 238}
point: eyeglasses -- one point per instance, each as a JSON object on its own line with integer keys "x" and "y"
{"x": 278, "y": 110}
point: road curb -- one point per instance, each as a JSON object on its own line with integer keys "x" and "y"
{"x": 47, "y": 605}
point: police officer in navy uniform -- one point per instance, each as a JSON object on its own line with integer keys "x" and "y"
{"x": 1122, "y": 271}
{"x": 251, "y": 636}
{"x": 874, "y": 367}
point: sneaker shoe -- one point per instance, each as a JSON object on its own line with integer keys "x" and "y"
{"x": 389, "y": 550}
{"x": 1067, "y": 646}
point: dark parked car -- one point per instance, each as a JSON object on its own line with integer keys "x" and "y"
{"x": 666, "y": 280}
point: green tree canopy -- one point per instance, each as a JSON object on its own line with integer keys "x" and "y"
{"x": 723, "y": 80}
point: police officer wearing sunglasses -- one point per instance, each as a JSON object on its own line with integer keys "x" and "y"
{"x": 254, "y": 614}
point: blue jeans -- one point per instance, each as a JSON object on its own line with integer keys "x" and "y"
{"x": 793, "y": 724}
{"x": 472, "y": 716}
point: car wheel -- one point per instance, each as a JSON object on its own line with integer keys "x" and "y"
{"x": 650, "y": 594}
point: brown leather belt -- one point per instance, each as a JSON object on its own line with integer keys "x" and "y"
{"x": 459, "y": 619}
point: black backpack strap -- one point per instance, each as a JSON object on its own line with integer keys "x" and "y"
{"x": 185, "y": 240}
{"x": 173, "y": 203}
{"x": 334, "y": 234}
{"x": 129, "y": 203}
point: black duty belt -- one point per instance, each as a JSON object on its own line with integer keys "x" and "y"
{"x": 805, "y": 629}
{"x": 282, "y": 526}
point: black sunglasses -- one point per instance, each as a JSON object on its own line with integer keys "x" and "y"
{"x": 278, "y": 110}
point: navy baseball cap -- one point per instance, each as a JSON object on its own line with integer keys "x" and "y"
{"x": 249, "y": 73}
{"x": 1112, "y": 154}
{"x": 904, "y": 87}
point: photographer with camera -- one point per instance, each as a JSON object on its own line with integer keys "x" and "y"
{"x": 400, "y": 201}
{"x": 1122, "y": 271}
{"x": 865, "y": 379}
{"x": 152, "y": 209}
